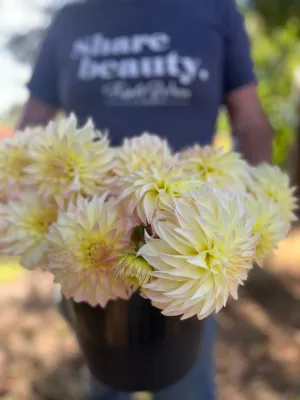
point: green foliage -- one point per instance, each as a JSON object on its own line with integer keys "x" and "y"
{"x": 276, "y": 54}
{"x": 277, "y": 13}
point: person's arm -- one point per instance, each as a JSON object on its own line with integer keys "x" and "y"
{"x": 35, "y": 113}
{"x": 44, "y": 99}
{"x": 249, "y": 124}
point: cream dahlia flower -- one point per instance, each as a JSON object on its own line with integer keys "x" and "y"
{"x": 211, "y": 165}
{"x": 68, "y": 160}
{"x": 268, "y": 226}
{"x": 203, "y": 257}
{"x": 141, "y": 152}
{"x": 26, "y": 224}
{"x": 153, "y": 189}
{"x": 84, "y": 247}
{"x": 275, "y": 184}
{"x": 14, "y": 158}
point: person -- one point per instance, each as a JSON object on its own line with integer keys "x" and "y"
{"x": 162, "y": 66}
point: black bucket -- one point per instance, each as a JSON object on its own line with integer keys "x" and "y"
{"x": 130, "y": 346}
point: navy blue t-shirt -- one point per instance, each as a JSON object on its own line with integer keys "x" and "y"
{"x": 162, "y": 66}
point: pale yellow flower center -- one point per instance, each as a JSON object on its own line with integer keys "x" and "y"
{"x": 40, "y": 223}
{"x": 98, "y": 254}
{"x": 21, "y": 162}
{"x": 162, "y": 185}
{"x": 215, "y": 258}
{"x": 206, "y": 170}
{"x": 15, "y": 164}
{"x": 60, "y": 170}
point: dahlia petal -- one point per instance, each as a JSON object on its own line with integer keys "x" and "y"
{"x": 149, "y": 205}
{"x": 181, "y": 289}
{"x": 199, "y": 260}
{"x": 175, "y": 261}
{"x": 176, "y": 242}
{"x": 205, "y": 286}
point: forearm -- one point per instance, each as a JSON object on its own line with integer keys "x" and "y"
{"x": 35, "y": 113}
{"x": 250, "y": 125}
{"x": 255, "y": 141}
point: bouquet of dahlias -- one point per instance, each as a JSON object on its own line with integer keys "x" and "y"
{"x": 184, "y": 228}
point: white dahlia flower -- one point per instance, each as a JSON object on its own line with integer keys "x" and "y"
{"x": 202, "y": 257}
{"x": 227, "y": 170}
{"x": 154, "y": 189}
{"x": 83, "y": 248}
{"x": 67, "y": 160}
{"x": 141, "y": 152}
{"x": 270, "y": 181}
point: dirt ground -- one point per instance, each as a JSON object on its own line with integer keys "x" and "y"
{"x": 257, "y": 355}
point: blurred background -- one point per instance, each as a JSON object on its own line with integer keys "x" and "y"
{"x": 258, "y": 351}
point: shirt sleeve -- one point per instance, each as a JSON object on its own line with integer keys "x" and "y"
{"x": 43, "y": 83}
{"x": 238, "y": 64}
